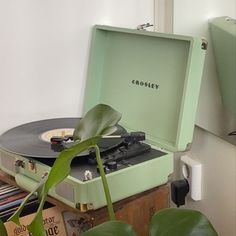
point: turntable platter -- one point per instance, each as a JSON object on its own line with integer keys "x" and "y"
{"x": 33, "y": 139}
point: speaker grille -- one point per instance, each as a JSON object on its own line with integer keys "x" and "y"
{"x": 65, "y": 190}
{"x": 7, "y": 162}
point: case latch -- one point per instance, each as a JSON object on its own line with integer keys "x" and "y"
{"x": 144, "y": 26}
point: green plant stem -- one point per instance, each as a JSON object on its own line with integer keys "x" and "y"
{"x": 3, "y": 230}
{"x": 105, "y": 185}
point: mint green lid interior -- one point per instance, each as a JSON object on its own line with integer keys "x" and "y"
{"x": 153, "y": 79}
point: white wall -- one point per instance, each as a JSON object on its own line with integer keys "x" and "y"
{"x": 218, "y": 160}
{"x": 43, "y": 54}
{"x": 219, "y": 181}
{"x": 217, "y": 156}
{"x": 44, "y": 51}
{"x": 192, "y": 17}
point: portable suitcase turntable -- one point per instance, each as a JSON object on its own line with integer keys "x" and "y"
{"x": 153, "y": 79}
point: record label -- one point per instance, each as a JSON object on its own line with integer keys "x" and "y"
{"x": 46, "y": 136}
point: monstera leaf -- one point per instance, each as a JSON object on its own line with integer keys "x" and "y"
{"x": 103, "y": 124}
{"x": 111, "y": 228}
{"x": 100, "y": 120}
{"x": 184, "y": 222}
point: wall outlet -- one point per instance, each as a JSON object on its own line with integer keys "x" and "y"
{"x": 192, "y": 171}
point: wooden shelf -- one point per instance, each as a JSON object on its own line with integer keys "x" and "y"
{"x": 136, "y": 210}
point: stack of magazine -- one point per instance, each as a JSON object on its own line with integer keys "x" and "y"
{"x": 10, "y": 199}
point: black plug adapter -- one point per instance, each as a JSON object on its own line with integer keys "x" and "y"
{"x": 179, "y": 190}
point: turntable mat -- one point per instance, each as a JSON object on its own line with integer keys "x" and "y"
{"x": 25, "y": 140}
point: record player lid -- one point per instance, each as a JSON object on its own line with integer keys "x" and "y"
{"x": 152, "y": 78}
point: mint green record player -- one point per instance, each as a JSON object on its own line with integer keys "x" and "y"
{"x": 153, "y": 79}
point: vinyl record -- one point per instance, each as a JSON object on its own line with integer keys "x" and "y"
{"x": 33, "y": 139}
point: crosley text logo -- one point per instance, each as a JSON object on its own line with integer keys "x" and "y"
{"x": 145, "y": 84}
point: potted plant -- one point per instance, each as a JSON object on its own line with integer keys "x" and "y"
{"x": 101, "y": 120}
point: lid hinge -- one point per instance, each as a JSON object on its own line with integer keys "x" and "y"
{"x": 204, "y": 44}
